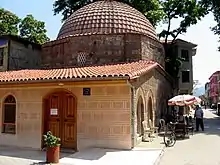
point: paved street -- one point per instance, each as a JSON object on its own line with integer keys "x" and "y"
{"x": 201, "y": 149}
{"x": 92, "y": 156}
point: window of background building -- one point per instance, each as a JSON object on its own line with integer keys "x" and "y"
{"x": 185, "y": 55}
{"x": 185, "y": 76}
{"x": 1, "y": 56}
{"x": 9, "y": 115}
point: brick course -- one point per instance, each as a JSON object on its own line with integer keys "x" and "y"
{"x": 103, "y": 119}
{"x": 101, "y": 49}
{"x": 155, "y": 86}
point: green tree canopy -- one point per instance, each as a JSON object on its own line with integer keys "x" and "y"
{"x": 215, "y": 7}
{"x": 8, "y": 22}
{"x": 189, "y": 12}
{"x": 33, "y": 30}
{"x": 28, "y": 27}
{"x": 150, "y": 8}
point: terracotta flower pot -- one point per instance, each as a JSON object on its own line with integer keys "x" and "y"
{"x": 53, "y": 154}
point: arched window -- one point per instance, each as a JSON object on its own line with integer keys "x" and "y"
{"x": 9, "y": 115}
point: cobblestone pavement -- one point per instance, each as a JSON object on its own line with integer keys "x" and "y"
{"x": 201, "y": 149}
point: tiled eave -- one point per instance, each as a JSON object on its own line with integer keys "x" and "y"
{"x": 51, "y": 80}
{"x": 125, "y": 71}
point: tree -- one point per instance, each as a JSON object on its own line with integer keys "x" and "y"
{"x": 150, "y": 8}
{"x": 215, "y": 7}
{"x": 33, "y": 30}
{"x": 189, "y": 12}
{"x": 8, "y": 22}
{"x": 29, "y": 28}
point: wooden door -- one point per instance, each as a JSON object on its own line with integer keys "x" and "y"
{"x": 53, "y": 119}
{"x": 69, "y": 121}
{"x": 60, "y": 118}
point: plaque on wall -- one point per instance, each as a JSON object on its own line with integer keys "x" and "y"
{"x": 86, "y": 91}
{"x": 53, "y": 111}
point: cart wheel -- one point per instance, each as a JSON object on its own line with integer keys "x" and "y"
{"x": 169, "y": 139}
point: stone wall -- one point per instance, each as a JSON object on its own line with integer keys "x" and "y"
{"x": 153, "y": 86}
{"x": 23, "y": 56}
{"x": 100, "y": 49}
{"x": 103, "y": 119}
{"x": 152, "y": 50}
{"x": 90, "y": 50}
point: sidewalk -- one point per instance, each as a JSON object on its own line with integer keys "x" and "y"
{"x": 200, "y": 149}
{"x": 92, "y": 156}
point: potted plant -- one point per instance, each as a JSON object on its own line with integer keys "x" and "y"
{"x": 53, "y": 147}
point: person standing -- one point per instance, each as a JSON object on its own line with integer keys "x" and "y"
{"x": 199, "y": 117}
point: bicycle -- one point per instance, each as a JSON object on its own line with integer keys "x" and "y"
{"x": 170, "y": 135}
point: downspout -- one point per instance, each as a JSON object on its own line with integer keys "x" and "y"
{"x": 132, "y": 114}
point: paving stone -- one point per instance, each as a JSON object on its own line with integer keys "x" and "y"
{"x": 93, "y": 156}
{"x": 200, "y": 149}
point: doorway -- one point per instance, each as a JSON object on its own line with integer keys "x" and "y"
{"x": 60, "y": 117}
{"x": 150, "y": 110}
{"x": 140, "y": 117}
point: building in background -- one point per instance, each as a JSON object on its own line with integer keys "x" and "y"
{"x": 207, "y": 94}
{"x": 17, "y": 53}
{"x": 185, "y": 50}
{"x": 214, "y": 87}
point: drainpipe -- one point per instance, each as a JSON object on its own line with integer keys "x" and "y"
{"x": 132, "y": 114}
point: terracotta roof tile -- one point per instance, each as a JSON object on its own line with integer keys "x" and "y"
{"x": 127, "y": 70}
{"x": 107, "y": 17}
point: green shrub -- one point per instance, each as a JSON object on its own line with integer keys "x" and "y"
{"x": 50, "y": 140}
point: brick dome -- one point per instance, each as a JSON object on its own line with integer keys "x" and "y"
{"x": 106, "y": 17}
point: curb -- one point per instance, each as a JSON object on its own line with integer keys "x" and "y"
{"x": 157, "y": 162}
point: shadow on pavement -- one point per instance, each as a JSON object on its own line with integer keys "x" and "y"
{"x": 211, "y": 124}
{"x": 38, "y": 163}
{"x": 24, "y": 153}
{"x": 39, "y": 157}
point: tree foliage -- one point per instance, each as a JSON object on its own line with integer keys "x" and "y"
{"x": 8, "y": 22}
{"x": 189, "y": 12}
{"x": 215, "y": 7}
{"x": 28, "y": 27}
{"x": 150, "y": 8}
{"x": 33, "y": 30}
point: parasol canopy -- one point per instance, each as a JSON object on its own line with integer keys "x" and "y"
{"x": 182, "y": 100}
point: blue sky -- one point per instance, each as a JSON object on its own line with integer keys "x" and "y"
{"x": 206, "y": 61}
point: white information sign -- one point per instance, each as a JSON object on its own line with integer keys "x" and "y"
{"x": 53, "y": 111}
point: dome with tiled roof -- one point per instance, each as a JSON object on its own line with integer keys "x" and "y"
{"x": 106, "y": 17}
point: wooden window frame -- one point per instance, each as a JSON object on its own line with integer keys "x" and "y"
{"x": 4, "y": 124}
